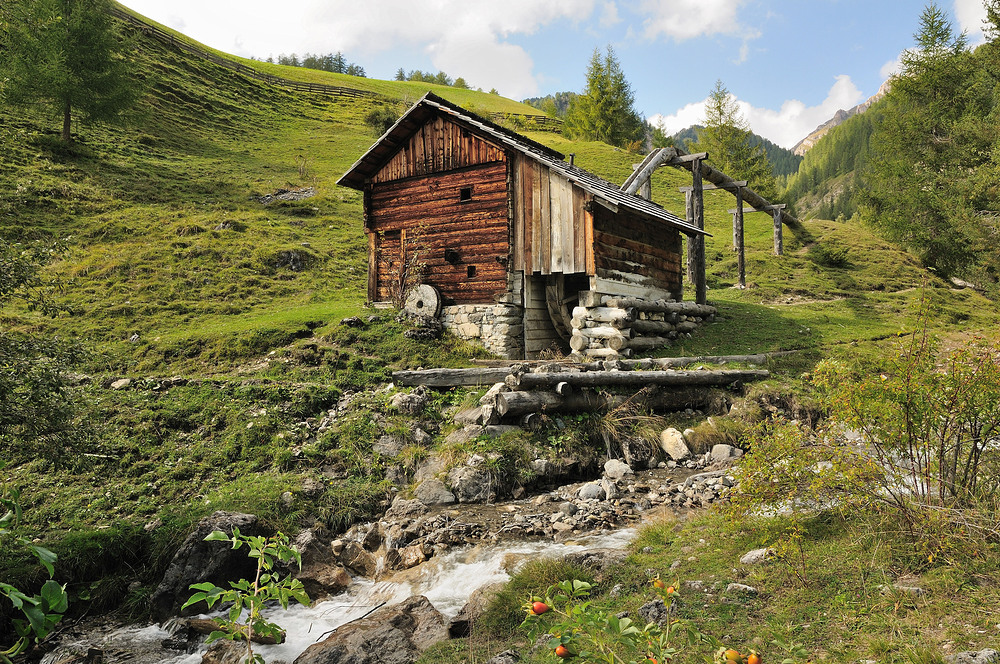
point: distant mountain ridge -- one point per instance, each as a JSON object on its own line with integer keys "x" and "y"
{"x": 838, "y": 118}
{"x": 783, "y": 161}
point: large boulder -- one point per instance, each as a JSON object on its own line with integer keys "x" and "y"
{"x": 673, "y": 444}
{"x": 471, "y": 484}
{"x": 320, "y": 575}
{"x": 395, "y": 634}
{"x": 197, "y": 560}
{"x": 433, "y": 492}
{"x": 356, "y": 559}
{"x": 616, "y": 469}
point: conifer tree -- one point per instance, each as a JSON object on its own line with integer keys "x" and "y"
{"x": 931, "y": 137}
{"x": 605, "y": 112}
{"x": 727, "y": 139}
{"x": 68, "y": 54}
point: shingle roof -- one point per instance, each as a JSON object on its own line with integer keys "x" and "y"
{"x": 430, "y": 104}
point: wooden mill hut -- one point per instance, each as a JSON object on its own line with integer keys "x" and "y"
{"x": 505, "y": 237}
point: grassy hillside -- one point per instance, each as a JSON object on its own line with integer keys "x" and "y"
{"x": 174, "y": 268}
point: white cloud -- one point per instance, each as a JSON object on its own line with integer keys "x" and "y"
{"x": 609, "y": 15}
{"x": 785, "y": 126}
{"x": 686, "y": 19}
{"x": 891, "y": 68}
{"x": 463, "y": 38}
{"x": 970, "y": 15}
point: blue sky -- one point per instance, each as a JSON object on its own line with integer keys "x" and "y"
{"x": 791, "y": 64}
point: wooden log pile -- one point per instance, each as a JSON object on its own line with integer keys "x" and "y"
{"x": 623, "y": 326}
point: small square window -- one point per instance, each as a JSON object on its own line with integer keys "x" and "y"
{"x": 470, "y": 271}
{"x": 465, "y": 194}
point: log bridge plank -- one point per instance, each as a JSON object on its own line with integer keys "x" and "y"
{"x": 530, "y": 381}
{"x": 451, "y": 377}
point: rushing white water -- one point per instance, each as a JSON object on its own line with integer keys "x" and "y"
{"x": 447, "y": 581}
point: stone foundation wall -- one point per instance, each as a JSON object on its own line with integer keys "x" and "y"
{"x": 497, "y": 327}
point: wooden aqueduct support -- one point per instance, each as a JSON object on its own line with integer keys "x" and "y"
{"x": 746, "y": 199}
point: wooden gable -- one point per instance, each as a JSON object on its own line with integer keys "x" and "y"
{"x": 438, "y": 145}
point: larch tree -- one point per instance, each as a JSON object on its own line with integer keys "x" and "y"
{"x": 936, "y": 133}
{"x": 605, "y": 111}
{"x": 726, "y": 137}
{"x": 68, "y": 55}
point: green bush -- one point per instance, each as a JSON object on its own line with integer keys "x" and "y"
{"x": 925, "y": 450}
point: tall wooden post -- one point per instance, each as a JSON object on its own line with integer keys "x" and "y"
{"x": 778, "y": 248}
{"x": 646, "y": 189}
{"x": 741, "y": 261}
{"x": 698, "y": 212}
{"x": 689, "y": 215}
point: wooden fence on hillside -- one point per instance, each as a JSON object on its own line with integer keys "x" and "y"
{"x": 541, "y": 122}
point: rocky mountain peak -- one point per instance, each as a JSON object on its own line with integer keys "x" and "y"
{"x": 839, "y": 117}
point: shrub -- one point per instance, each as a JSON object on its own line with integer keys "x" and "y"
{"x": 926, "y": 447}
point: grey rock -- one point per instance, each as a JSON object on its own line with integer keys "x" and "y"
{"x": 592, "y": 491}
{"x": 505, "y": 657}
{"x": 395, "y": 634}
{"x": 987, "y": 656}
{"x": 739, "y": 588}
{"x": 430, "y": 468}
{"x": 480, "y": 599}
{"x": 433, "y": 492}
{"x": 673, "y": 444}
{"x": 323, "y": 579}
{"x": 121, "y": 384}
{"x": 410, "y": 403}
{"x": 598, "y": 561}
{"x": 471, "y": 484}
{"x": 402, "y": 508}
{"x": 389, "y": 446}
{"x": 359, "y": 561}
{"x": 197, "y": 560}
{"x": 463, "y": 435}
{"x": 655, "y": 611}
{"x": 569, "y": 509}
{"x": 616, "y": 469}
{"x": 722, "y": 453}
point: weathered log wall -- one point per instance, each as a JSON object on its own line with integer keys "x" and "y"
{"x": 636, "y": 252}
{"x": 453, "y": 229}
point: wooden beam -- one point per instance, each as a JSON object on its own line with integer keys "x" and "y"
{"x": 451, "y": 377}
{"x": 700, "y": 285}
{"x": 778, "y": 247}
{"x": 688, "y": 158}
{"x": 643, "y": 171}
{"x": 673, "y": 378}
{"x": 741, "y": 261}
{"x": 763, "y": 208}
{"x": 728, "y": 186}
{"x": 690, "y": 241}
